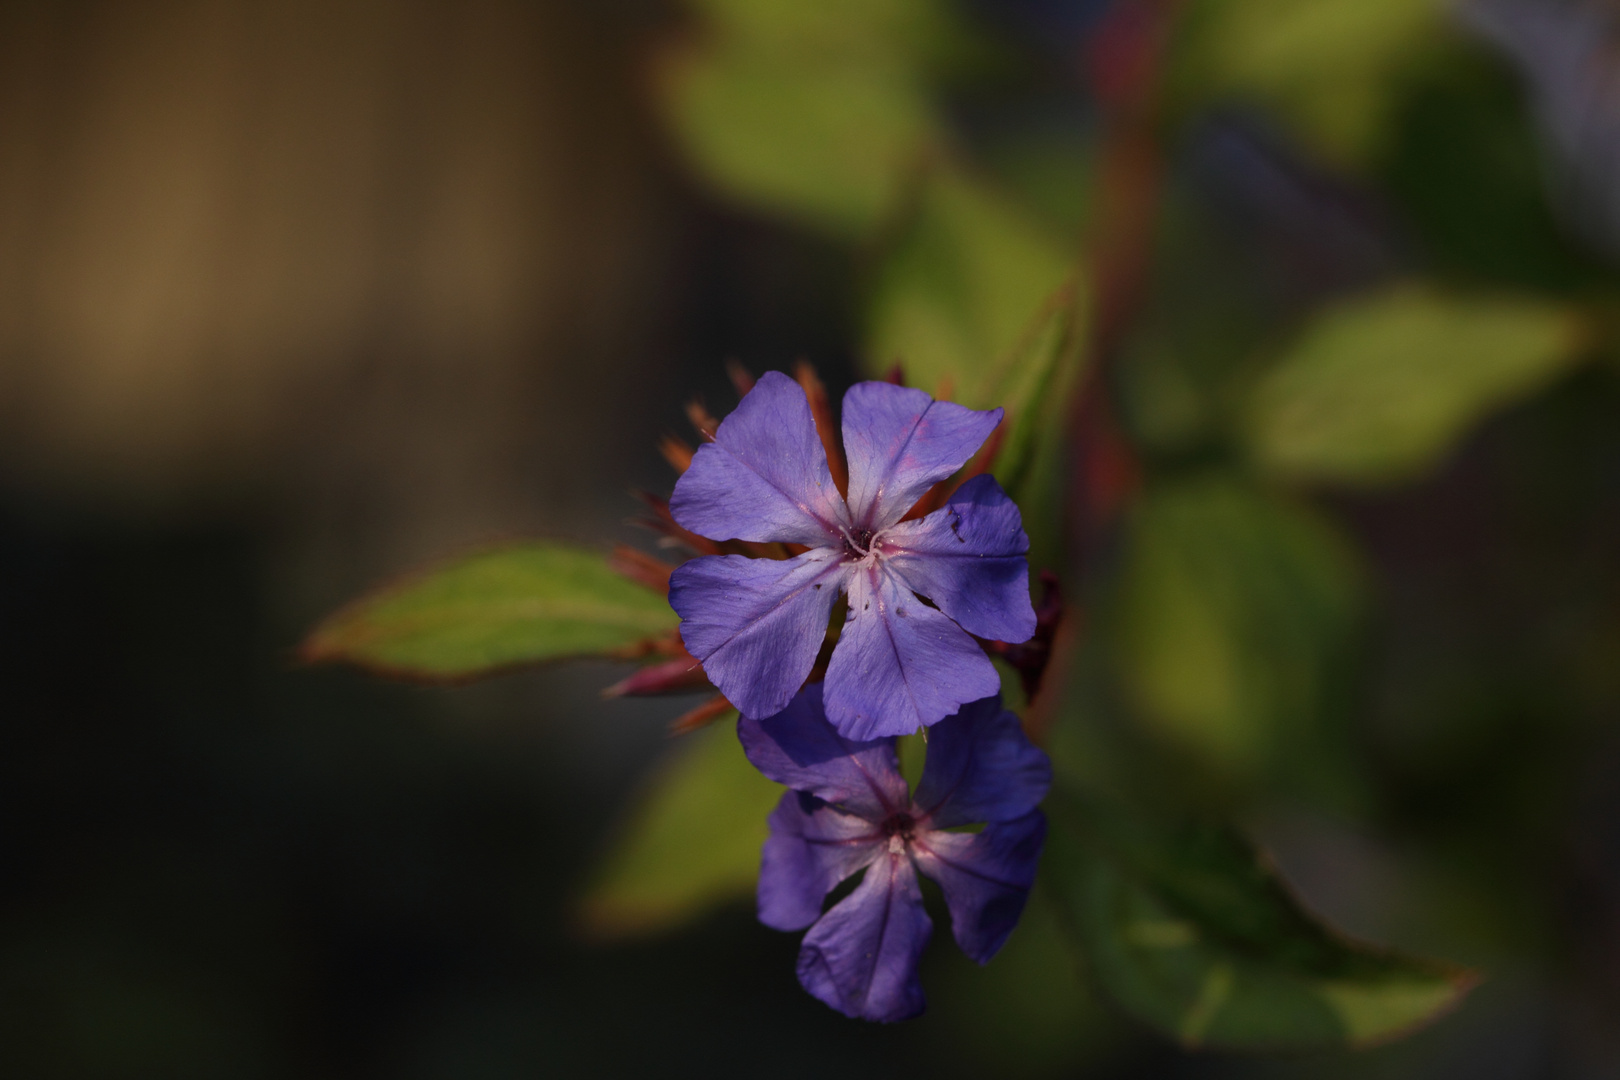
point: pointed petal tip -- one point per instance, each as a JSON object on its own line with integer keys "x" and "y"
{"x": 900, "y": 442}
{"x": 861, "y": 957}
{"x": 765, "y": 477}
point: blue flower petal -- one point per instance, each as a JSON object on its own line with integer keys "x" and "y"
{"x": 811, "y": 849}
{"x": 757, "y": 624}
{"x": 900, "y": 442}
{"x": 981, "y": 767}
{"x": 968, "y": 558}
{"x": 985, "y": 876}
{"x": 861, "y": 958}
{"x": 900, "y": 664}
{"x": 765, "y": 476}
{"x": 799, "y": 748}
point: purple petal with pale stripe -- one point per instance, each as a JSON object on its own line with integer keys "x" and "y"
{"x": 812, "y": 848}
{"x": 981, "y": 767}
{"x": 985, "y": 876}
{"x": 861, "y": 958}
{"x": 765, "y": 477}
{"x": 799, "y": 748}
{"x": 757, "y": 624}
{"x": 900, "y": 664}
{"x": 968, "y": 558}
{"x": 900, "y": 442}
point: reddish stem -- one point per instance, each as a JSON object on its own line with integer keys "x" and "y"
{"x": 641, "y": 568}
{"x": 1125, "y": 61}
{"x": 702, "y": 716}
{"x": 702, "y": 420}
{"x": 821, "y": 409}
{"x": 742, "y": 380}
{"x": 684, "y": 673}
{"x": 677, "y": 452}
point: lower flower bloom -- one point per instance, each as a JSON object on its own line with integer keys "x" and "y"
{"x": 849, "y": 810}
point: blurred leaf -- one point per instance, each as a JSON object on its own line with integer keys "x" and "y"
{"x": 1192, "y": 931}
{"x": 979, "y": 304}
{"x": 492, "y": 610}
{"x": 1049, "y": 169}
{"x": 819, "y": 111}
{"x": 1029, "y": 1012}
{"x": 1329, "y": 67}
{"x": 868, "y": 32}
{"x": 1379, "y": 389}
{"x": 965, "y": 299}
{"x": 693, "y": 841}
{"x": 1012, "y": 686}
{"x": 831, "y": 145}
{"x": 1231, "y": 609}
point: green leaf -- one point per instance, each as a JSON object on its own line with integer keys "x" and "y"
{"x": 873, "y": 32}
{"x": 978, "y": 300}
{"x": 1190, "y": 929}
{"x": 1232, "y": 608}
{"x": 830, "y": 145}
{"x": 818, "y": 111}
{"x": 692, "y": 842}
{"x": 961, "y": 299}
{"x": 1029, "y": 1012}
{"x": 1329, "y": 67}
{"x": 1379, "y": 389}
{"x": 493, "y": 610}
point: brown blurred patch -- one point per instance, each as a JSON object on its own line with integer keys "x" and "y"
{"x": 395, "y": 254}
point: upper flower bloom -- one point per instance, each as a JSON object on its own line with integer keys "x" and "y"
{"x": 849, "y": 810}
{"x": 757, "y": 624}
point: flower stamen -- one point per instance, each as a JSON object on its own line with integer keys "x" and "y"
{"x": 859, "y": 543}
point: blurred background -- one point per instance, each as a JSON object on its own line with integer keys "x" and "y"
{"x": 294, "y": 297}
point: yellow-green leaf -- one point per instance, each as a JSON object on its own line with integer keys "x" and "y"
{"x": 1329, "y": 67}
{"x": 817, "y": 111}
{"x": 979, "y": 302}
{"x": 1192, "y": 932}
{"x": 1231, "y": 608}
{"x": 828, "y": 144}
{"x": 493, "y": 610}
{"x": 960, "y": 300}
{"x": 1379, "y": 389}
{"x": 891, "y": 33}
{"x": 692, "y": 842}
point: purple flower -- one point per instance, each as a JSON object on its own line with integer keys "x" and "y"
{"x": 757, "y": 624}
{"x": 848, "y": 810}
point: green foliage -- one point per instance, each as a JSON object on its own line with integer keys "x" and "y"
{"x": 979, "y": 303}
{"x": 959, "y": 301}
{"x": 816, "y": 111}
{"x": 854, "y": 31}
{"x": 1229, "y": 610}
{"x": 1232, "y": 608}
{"x": 1193, "y": 933}
{"x": 783, "y": 138}
{"x": 1029, "y": 1012}
{"x": 692, "y": 842}
{"x": 1379, "y": 389}
{"x": 1329, "y": 67}
{"x": 492, "y": 610}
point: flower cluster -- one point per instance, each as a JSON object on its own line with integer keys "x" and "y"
{"x": 758, "y": 624}
{"x": 847, "y": 810}
{"x": 918, "y": 589}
